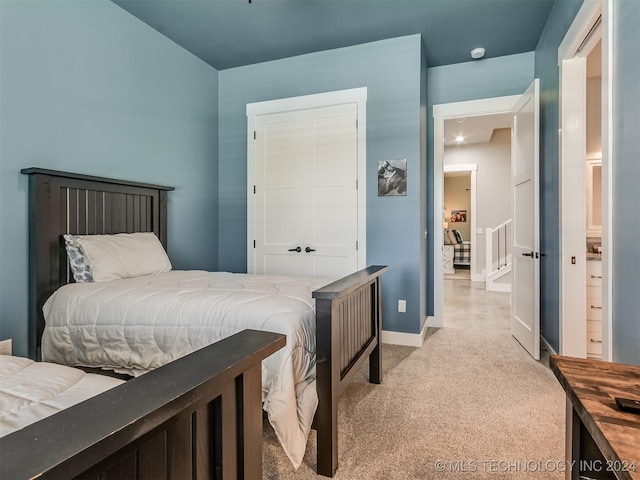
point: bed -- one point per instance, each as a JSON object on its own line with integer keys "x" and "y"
{"x": 197, "y": 417}
{"x": 461, "y": 248}
{"x": 462, "y": 253}
{"x": 347, "y": 318}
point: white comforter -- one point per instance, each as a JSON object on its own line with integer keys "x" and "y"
{"x": 138, "y": 324}
{"x": 31, "y": 391}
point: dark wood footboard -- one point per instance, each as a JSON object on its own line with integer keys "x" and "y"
{"x": 197, "y": 417}
{"x": 348, "y": 329}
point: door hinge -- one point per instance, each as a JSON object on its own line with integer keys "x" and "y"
{"x": 356, "y": 123}
{"x": 254, "y": 135}
{"x": 356, "y": 184}
{"x": 254, "y": 244}
{"x": 254, "y": 189}
{"x": 356, "y": 244}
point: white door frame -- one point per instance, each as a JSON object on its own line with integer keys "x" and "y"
{"x": 472, "y": 169}
{"x": 305, "y": 102}
{"x": 442, "y": 112}
{"x": 571, "y": 160}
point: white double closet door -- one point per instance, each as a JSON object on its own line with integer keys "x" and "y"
{"x": 306, "y": 198}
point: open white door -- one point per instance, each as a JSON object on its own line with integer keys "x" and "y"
{"x": 525, "y": 313}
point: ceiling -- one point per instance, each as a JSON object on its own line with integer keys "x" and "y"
{"x": 231, "y": 33}
{"x": 477, "y": 129}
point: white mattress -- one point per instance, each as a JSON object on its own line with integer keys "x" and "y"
{"x": 31, "y": 391}
{"x": 138, "y": 324}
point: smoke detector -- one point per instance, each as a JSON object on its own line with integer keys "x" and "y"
{"x": 477, "y": 52}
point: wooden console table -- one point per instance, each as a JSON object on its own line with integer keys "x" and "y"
{"x": 603, "y": 442}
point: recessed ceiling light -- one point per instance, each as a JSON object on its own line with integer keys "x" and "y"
{"x": 459, "y": 138}
{"x": 477, "y": 52}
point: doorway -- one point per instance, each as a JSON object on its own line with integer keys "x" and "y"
{"x": 470, "y": 109}
{"x": 584, "y": 61}
{"x": 525, "y": 286}
{"x": 476, "y": 196}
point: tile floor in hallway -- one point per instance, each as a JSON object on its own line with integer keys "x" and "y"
{"x": 468, "y": 305}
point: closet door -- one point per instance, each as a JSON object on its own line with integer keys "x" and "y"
{"x": 306, "y": 202}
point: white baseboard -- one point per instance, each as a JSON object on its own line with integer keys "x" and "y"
{"x": 478, "y": 277}
{"x": 405, "y": 339}
{"x": 500, "y": 287}
{"x": 432, "y": 322}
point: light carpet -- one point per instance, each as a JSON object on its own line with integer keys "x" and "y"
{"x": 468, "y": 404}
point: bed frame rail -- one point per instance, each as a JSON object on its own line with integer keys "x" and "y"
{"x": 348, "y": 330}
{"x": 197, "y": 417}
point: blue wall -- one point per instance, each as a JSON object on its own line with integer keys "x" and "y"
{"x": 626, "y": 178}
{"x": 390, "y": 69}
{"x": 493, "y": 77}
{"x": 88, "y": 88}
{"x": 547, "y": 71}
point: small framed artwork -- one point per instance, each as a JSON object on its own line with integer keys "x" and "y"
{"x": 458, "y": 215}
{"x": 392, "y": 177}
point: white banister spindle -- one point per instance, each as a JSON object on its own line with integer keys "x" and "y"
{"x": 498, "y": 253}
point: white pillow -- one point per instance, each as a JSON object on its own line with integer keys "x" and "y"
{"x": 124, "y": 255}
{"x": 447, "y": 240}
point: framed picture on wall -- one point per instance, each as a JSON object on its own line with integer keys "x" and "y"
{"x": 458, "y": 215}
{"x": 392, "y": 177}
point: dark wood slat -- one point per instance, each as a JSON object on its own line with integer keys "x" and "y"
{"x": 203, "y": 441}
{"x": 136, "y": 214}
{"x": 250, "y": 438}
{"x": 159, "y": 215}
{"x": 91, "y": 212}
{"x": 82, "y": 212}
{"x": 108, "y": 212}
{"x": 129, "y": 214}
{"x": 151, "y": 457}
{"x": 69, "y": 205}
{"x": 179, "y": 450}
{"x": 116, "y": 212}
{"x": 229, "y": 433}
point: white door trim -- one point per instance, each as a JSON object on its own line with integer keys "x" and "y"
{"x": 570, "y": 320}
{"x": 442, "y": 112}
{"x": 472, "y": 168}
{"x": 318, "y": 100}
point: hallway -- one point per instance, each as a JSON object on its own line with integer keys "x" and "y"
{"x": 468, "y": 305}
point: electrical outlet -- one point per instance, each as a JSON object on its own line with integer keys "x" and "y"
{"x": 5, "y": 347}
{"x": 402, "y": 306}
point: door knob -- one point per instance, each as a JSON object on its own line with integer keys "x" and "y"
{"x": 309, "y": 249}
{"x": 530, "y": 254}
{"x": 297, "y": 249}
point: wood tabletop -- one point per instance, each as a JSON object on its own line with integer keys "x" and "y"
{"x": 591, "y": 386}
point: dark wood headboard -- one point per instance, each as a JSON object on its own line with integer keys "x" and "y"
{"x": 62, "y": 202}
